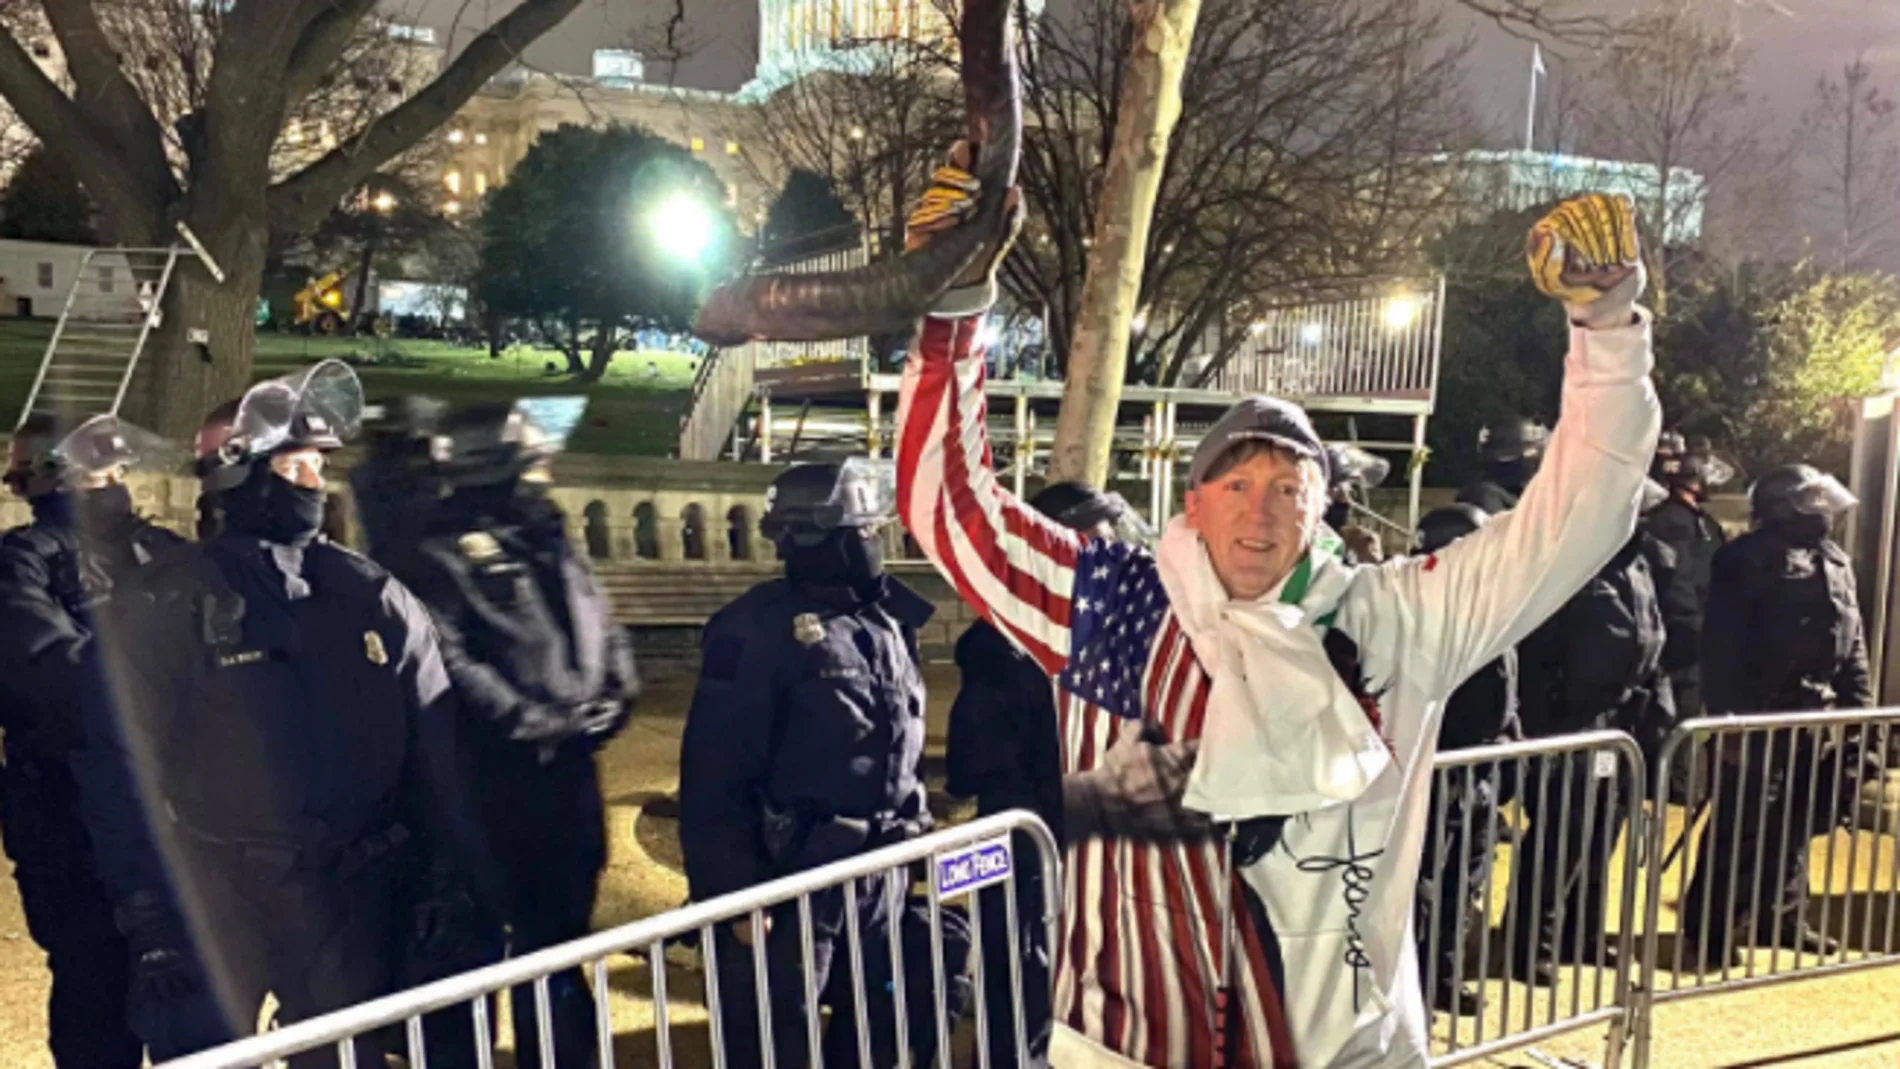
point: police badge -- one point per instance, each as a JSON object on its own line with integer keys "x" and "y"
{"x": 808, "y": 629}
{"x": 373, "y": 649}
{"x": 478, "y": 546}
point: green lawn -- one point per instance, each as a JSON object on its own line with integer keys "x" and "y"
{"x": 631, "y": 411}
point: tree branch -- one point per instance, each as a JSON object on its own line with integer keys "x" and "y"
{"x": 101, "y": 90}
{"x": 322, "y": 43}
{"x": 299, "y": 201}
{"x": 63, "y": 126}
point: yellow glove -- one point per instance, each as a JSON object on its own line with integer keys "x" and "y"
{"x": 1586, "y": 254}
{"x": 952, "y": 200}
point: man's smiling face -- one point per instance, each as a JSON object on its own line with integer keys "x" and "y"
{"x": 1257, "y": 513}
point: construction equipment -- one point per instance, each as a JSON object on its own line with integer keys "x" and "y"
{"x": 321, "y": 306}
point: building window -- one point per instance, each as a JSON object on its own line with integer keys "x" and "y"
{"x": 456, "y": 137}
{"x": 293, "y": 133}
{"x": 732, "y": 148}
{"x": 481, "y": 183}
{"x": 699, "y": 144}
{"x": 693, "y": 532}
{"x": 105, "y": 280}
{"x": 453, "y": 180}
{"x": 481, "y": 139}
{"x": 739, "y": 533}
{"x": 46, "y": 276}
{"x": 453, "y": 207}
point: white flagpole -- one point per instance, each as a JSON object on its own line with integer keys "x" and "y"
{"x": 1530, "y": 113}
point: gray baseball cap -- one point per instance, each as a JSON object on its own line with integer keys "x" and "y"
{"x": 1257, "y": 419}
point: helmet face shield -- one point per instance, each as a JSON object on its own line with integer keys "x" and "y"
{"x": 864, "y": 496}
{"x": 319, "y": 407}
{"x": 94, "y": 448}
{"x": 1824, "y": 496}
{"x": 1353, "y": 466}
{"x": 1654, "y": 493}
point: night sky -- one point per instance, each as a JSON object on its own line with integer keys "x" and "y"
{"x": 1788, "y": 52}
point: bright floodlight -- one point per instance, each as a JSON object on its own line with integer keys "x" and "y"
{"x": 1401, "y": 311}
{"x": 1311, "y": 333}
{"x": 683, "y": 226}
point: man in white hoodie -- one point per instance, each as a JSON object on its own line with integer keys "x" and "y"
{"x": 1311, "y": 688}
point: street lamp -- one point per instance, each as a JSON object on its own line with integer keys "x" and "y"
{"x": 683, "y": 226}
{"x": 1402, "y": 311}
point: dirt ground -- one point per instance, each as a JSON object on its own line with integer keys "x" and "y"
{"x": 1845, "y": 1022}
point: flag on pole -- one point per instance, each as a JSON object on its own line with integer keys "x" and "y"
{"x": 1537, "y": 59}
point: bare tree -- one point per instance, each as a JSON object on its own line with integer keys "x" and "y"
{"x": 1853, "y": 169}
{"x": 176, "y": 112}
{"x": 875, "y": 128}
{"x": 1305, "y": 160}
{"x": 1669, "y": 92}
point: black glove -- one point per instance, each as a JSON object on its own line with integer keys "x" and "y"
{"x": 163, "y": 965}
{"x": 1135, "y": 794}
{"x": 603, "y": 719}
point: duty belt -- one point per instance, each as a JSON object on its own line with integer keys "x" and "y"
{"x": 280, "y": 858}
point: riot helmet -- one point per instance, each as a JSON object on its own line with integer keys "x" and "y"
{"x": 319, "y": 407}
{"x": 810, "y": 501}
{"x": 257, "y": 457}
{"x": 1512, "y": 450}
{"x": 1350, "y": 471}
{"x": 1442, "y": 526}
{"x": 1103, "y": 513}
{"x": 1798, "y": 501}
{"x": 43, "y": 459}
{"x": 1689, "y": 466}
{"x": 494, "y": 444}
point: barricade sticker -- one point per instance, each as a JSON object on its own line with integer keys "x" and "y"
{"x": 969, "y": 868}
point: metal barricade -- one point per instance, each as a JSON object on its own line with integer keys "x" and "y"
{"x": 1527, "y": 908}
{"x": 1787, "y": 792}
{"x": 962, "y": 861}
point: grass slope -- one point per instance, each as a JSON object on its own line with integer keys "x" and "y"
{"x": 634, "y": 410}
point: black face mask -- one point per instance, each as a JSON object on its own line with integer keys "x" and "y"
{"x": 269, "y": 507}
{"x": 844, "y": 559}
{"x": 96, "y": 511}
{"x": 1801, "y": 529}
{"x": 1512, "y": 475}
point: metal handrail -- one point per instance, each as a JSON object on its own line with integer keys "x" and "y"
{"x": 353, "y": 1021}
{"x": 39, "y": 379}
{"x": 145, "y": 329}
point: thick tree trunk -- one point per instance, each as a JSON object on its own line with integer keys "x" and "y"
{"x": 179, "y": 380}
{"x": 606, "y": 340}
{"x": 1150, "y": 104}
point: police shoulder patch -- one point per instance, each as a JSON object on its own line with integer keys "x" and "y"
{"x": 374, "y": 650}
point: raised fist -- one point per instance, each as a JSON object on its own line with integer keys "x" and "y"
{"x": 1586, "y": 254}
{"x": 952, "y": 200}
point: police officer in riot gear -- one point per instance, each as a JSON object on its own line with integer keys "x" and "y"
{"x": 1782, "y": 634}
{"x": 1596, "y": 664}
{"x": 802, "y": 748}
{"x": 1482, "y": 711}
{"x": 283, "y": 705}
{"x": 1511, "y": 452}
{"x": 1003, "y": 751}
{"x": 543, "y": 675}
{"x": 1681, "y": 522}
{"x": 1351, "y": 472}
{"x": 56, "y": 574}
